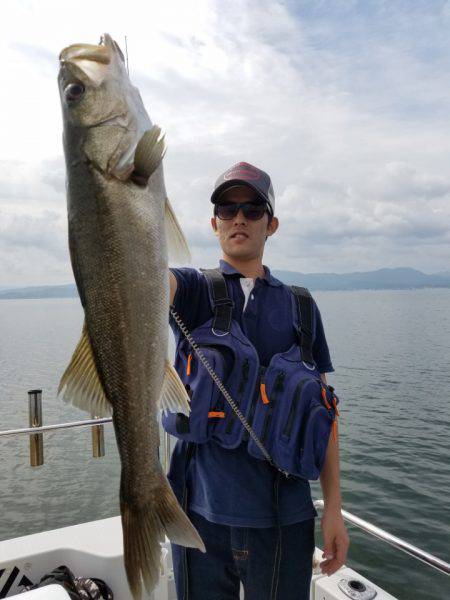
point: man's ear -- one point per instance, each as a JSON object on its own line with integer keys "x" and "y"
{"x": 214, "y": 224}
{"x": 272, "y": 226}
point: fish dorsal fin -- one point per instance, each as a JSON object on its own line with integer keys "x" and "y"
{"x": 149, "y": 153}
{"x": 176, "y": 242}
{"x": 81, "y": 383}
{"x": 174, "y": 397}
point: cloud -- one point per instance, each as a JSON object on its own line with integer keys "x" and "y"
{"x": 33, "y": 248}
{"x": 345, "y": 105}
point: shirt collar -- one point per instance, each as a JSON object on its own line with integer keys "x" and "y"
{"x": 227, "y": 269}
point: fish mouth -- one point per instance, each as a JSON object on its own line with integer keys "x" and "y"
{"x": 76, "y": 52}
{"x": 94, "y": 61}
{"x": 101, "y": 53}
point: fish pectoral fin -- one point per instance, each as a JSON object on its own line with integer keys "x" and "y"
{"x": 176, "y": 242}
{"x": 174, "y": 397}
{"x": 80, "y": 380}
{"x": 148, "y": 154}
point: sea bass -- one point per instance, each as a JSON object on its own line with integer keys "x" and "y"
{"x": 120, "y": 226}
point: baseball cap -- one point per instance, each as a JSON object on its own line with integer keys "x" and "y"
{"x": 246, "y": 174}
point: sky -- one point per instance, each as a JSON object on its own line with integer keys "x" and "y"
{"x": 344, "y": 103}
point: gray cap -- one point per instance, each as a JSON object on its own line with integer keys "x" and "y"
{"x": 245, "y": 174}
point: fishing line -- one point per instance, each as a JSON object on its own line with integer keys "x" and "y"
{"x": 126, "y": 54}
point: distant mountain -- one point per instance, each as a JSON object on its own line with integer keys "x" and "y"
{"x": 382, "y": 279}
{"x": 43, "y": 291}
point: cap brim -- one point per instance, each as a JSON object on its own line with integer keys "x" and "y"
{"x": 236, "y": 183}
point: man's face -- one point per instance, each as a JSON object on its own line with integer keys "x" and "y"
{"x": 239, "y": 237}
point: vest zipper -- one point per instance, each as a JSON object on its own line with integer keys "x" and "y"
{"x": 255, "y": 397}
{"x": 278, "y": 387}
{"x": 297, "y": 395}
{"x": 242, "y": 383}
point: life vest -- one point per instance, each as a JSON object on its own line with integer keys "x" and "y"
{"x": 286, "y": 403}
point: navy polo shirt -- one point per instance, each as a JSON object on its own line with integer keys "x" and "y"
{"x": 230, "y": 487}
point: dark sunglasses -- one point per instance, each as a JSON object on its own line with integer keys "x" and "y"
{"x": 252, "y": 210}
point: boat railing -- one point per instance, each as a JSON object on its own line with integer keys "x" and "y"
{"x": 393, "y": 540}
{"x": 37, "y": 429}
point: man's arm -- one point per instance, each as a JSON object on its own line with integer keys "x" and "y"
{"x": 173, "y": 286}
{"x": 336, "y": 540}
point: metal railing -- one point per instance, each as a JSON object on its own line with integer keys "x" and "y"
{"x": 44, "y": 428}
{"x": 36, "y": 429}
{"x": 396, "y": 542}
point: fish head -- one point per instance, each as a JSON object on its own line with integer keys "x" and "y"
{"x": 103, "y": 112}
{"x": 92, "y": 82}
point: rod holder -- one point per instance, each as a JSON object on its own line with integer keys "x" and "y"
{"x": 166, "y": 449}
{"x": 35, "y": 420}
{"x": 98, "y": 440}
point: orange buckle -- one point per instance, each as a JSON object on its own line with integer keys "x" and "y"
{"x": 188, "y": 366}
{"x": 216, "y": 415}
{"x": 324, "y": 398}
{"x": 264, "y": 397}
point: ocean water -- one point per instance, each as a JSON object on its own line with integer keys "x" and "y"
{"x": 391, "y": 352}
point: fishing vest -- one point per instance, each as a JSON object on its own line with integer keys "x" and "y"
{"x": 286, "y": 403}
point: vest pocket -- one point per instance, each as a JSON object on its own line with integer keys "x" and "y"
{"x": 266, "y": 405}
{"x": 277, "y": 389}
{"x": 293, "y": 409}
{"x": 290, "y": 422}
{"x": 314, "y": 442}
{"x": 207, "y": 402}
{"x": 306, "y": 431}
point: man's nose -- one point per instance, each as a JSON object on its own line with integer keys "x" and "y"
{"x": 240, "y": 217}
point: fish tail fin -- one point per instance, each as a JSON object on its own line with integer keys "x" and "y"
{"x": 143, "y": 531}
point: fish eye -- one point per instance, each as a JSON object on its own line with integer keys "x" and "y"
{"x": 74, "y": 91}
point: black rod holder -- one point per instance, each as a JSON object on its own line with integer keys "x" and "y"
{"x": 35, "y": 420}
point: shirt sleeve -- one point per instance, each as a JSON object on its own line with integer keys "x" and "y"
{"x": 321, "y": 353}
{"x": 189, "y": 297}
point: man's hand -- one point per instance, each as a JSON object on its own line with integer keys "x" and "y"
{"x": 336, "y": 541}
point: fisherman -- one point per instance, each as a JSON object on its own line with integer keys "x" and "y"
{"x": 258, "y": 527}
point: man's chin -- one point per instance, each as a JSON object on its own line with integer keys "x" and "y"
{"x": 239, "y": 253}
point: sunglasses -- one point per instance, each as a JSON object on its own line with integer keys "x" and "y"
{"x": 252, "y": 210}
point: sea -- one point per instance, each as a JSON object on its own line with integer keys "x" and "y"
{"x": 391, "y": 354}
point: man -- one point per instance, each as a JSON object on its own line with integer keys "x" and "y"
{"x": 229, "y": 495}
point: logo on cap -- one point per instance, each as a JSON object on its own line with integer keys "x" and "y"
{"x": 243, "y": 171}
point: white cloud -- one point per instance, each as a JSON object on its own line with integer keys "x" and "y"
{"x": 345, "y": 108}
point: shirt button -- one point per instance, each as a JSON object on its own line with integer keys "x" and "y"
{"x": 253, "y": 297}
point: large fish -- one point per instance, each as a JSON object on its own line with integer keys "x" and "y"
{"x": 120, "y": 226}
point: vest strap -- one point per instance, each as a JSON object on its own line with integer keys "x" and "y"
{"x": 220, "y": 300}
{"x": 305, "y": 322}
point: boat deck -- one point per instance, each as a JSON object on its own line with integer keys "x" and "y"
{"x": 95, "y": 549}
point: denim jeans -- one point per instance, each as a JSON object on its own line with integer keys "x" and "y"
{"x": 272, "y": 563}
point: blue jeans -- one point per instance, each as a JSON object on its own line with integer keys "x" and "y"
{"x": 272, "y": 563}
